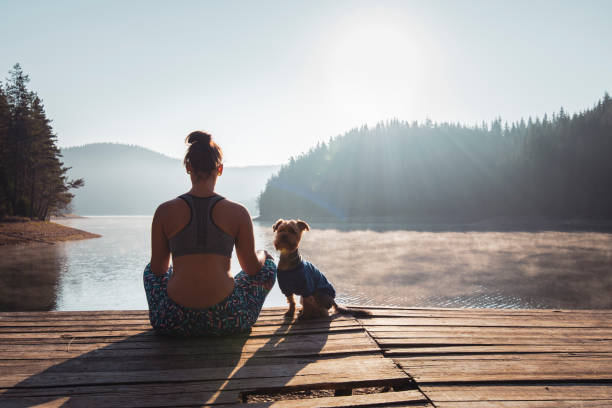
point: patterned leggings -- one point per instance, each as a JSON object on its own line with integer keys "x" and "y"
{"x": 235, "y": 314}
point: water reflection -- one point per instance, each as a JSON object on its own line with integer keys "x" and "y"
{"x": 96, "y": 274}
{"x": 548, "y": 269}
{"x": 376, "y": 264}
{"x": 29, "y": 279}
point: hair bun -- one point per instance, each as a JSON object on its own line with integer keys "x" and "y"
{"x": 203, "y": 154}
{"x": 198, "y": 136}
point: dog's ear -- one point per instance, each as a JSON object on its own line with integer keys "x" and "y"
{"x": 276, "y": 224}
{"x": 303, "y": 225}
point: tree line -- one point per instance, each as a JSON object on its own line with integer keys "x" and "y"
{"x": 33, "y": 181}
{"x": 554, "y": 166}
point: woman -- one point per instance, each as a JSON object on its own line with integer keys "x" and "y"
{"x": 196, "y": 295}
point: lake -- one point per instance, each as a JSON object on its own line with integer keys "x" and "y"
{"x": 369, "y": 263}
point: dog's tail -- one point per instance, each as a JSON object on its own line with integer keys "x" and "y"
{"x": 354, "y": 312}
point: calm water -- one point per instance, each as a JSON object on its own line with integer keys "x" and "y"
{"x": 375, "y": 264}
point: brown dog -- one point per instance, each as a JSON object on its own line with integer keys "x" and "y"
{"x": 299, "y": 277}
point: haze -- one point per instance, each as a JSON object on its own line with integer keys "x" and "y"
{"x": 271, "y": 79}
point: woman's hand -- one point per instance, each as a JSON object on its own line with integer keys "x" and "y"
{"x": 263, "y": 254}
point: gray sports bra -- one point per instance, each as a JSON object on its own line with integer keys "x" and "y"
{"x": 201, "y": 235}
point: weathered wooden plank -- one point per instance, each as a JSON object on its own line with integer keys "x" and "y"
{"x": 487, "y": 349}
{"x": 59, "y": 322}
{"x": 535, "y": 392}
{"x": 598, "y": 320}
{"x": 488, "y": 322}
{"x": 11, "y": 337}
{"x": 208, "y": 391}
{"x": 467, "y": 314}
{"x": 187, "y": 343}
{"x": 35, "y": 367}
{"x": 378, "y": 367}
{"x": 151, "y": 353}
{"x": 48, "y": 367}
{"x": 280, "y": 350}
{"x": 118, "y": 400}
{"x": 20, "y": 327}
{"x": 39, "y": 317}
{"x": 523, "y": 335}
{"x": 526, "y": 404}
{"x": 192, "y": 395}
{"x": 68, "y": 319}
{"x": 266, "y": 310}
{"x": 433, "y": 331}
{"x": 278, "y": 311}
{"x": 239, "y": 342}
{"x": 151, "y": 336}
{"x": 551, "y": 356}
{"x": 451, "y": 310}
{"x": 401, "y": 312}
{"x": 278, "y": 328}
{"x": 523, "y": 368}
{"x": 363, "y": 400}
{"x": 138, "y": 341}
{"x": 471, "y": 340}
{"x": 239, "y": 374}
{"x": 60, "y": 329}
{"x": 221, "y": 400}
{"x": 89, "y": 313}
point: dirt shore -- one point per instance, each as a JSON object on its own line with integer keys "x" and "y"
{"x": 66, "y": 217}
{"x": 39, "y": 232}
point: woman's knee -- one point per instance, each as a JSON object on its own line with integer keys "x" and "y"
{"x": 269, "y": 273}
{"x": 147, "y": 270}
{"x": 266, "y": 273}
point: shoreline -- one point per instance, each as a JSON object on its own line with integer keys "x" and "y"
{"x": 457, "y": 224}
{"x": 66, "y": 217}
{"x": 39, "y": 232}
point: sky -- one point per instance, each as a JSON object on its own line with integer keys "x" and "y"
{"x": 270, "y": 79}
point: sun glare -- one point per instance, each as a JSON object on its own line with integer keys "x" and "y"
{"x": 376, "y": 68}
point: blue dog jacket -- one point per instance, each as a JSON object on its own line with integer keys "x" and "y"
{"x": 304, "y": 280}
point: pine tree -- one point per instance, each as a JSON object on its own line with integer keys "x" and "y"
{"x": 557, "y": 166}
{"x": 33, "y": 178}
{"x": 5, "y": 120}
{"x": 16, "y": 155}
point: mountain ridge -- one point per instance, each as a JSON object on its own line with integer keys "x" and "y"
{"x": 122, "y": 179}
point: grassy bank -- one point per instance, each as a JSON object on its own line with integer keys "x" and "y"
{"x": 42, "y": 232}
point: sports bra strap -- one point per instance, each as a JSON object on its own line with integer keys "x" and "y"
{"x": 201, "y": 235}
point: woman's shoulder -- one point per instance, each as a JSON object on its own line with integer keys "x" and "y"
{"x": 233, "y": 208}
{"x": 230, "y": 216}
{"x": 172, "y": 210}
{"x": 170, "y": 205}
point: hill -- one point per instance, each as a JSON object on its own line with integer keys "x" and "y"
{"x": 557, "y": 166}
{"x": 131, "y": 180}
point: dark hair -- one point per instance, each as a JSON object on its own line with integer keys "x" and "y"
{"x": 203, "y": 154}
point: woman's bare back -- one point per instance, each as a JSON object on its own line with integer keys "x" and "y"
{"x": 201, "y": 280}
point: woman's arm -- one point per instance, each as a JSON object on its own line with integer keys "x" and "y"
{"x": 250, "y": 261}
{"x": 160, "y": 251}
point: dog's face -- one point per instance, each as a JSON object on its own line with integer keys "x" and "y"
{"x": 288, "y": 234}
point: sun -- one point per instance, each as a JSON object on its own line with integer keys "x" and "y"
{"x": 375, "y": 67}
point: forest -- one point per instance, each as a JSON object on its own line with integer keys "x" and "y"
{"x": 33, "y": 180}
{"x": 559, "y": 166}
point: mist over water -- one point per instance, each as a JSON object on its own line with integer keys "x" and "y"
{"x": 370, "y": 264}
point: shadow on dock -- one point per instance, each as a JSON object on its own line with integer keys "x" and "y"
{"x": 91, "y": 367}
{"x": 451, "y": 358}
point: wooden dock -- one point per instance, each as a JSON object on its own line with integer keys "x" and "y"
{"x": 400, "y": 357}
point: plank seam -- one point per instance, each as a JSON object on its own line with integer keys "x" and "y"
{"x": 397, "y": 365}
